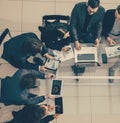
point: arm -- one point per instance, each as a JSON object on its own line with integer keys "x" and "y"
{"x": 42, "y": 75}
{"x": 34, "y": 100}
{"x": 27, "y": 65}
{"x": 99, "y": 26}
{"x": 73, "y": 28}
{"x": 73, "y": 24}
{"x": 48, "y": 118}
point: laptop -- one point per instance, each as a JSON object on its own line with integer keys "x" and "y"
{"x": 56, "y": 87}
{"x": 86, "y": 55}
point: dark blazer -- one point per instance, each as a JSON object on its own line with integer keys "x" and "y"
{"x": 13, "y": 94}
{"x": 47, "y": 119}
{"x": 108, "y": 21}
{"x": 14, "y": 51}
{"x": 78, "y": 18}
{"x": 50, "y": 37}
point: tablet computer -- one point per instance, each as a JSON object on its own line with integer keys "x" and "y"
{"x": 56, "y": 87}
{"x": 52, "y": 64}
{"x": 59, "y": 105}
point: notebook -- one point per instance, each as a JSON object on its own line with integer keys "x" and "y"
{"x": 112, "y": 51}
{"x": 56, "y": 87}
{"x": 86, "y": 55}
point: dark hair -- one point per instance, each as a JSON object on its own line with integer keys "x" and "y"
{"x": 32, "y": 46}
{"x": 93, "y": 3}
{"x": 52, "y": 31}
{"x": 29, "y": 114}
{"x": 28, "y": 81}
{"x": 118, "y": 9}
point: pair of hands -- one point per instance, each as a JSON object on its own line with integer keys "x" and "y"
{"x": 43, "y": 68}
{"x": 66, "y": 49}
{"x": 111, "y": 41}
{"x": 78, "y": 46}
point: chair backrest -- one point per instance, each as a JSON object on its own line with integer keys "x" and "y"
{"x": 57, "y": 18}
{"x": 46, "y": 19}
{"x": 3, "y": 35}
{"x": 54, "y": 18}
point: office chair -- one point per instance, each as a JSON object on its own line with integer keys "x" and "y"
{"x": 3, "y": 35}
{"x": 46, "y": 19}
{"x": 56, "y": 18}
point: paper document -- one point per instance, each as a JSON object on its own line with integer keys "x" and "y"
{"x": 63, "y": 56}
{"x": 112, "y": 51}
{"x": 52, "y": 64}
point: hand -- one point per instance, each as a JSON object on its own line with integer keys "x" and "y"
{"x": 50, "y": 75}
{"x": 66, "y": 35}
{"x": 66, "y": 49}
{"x": 49, "y": 56}
{"x": 77, "y": 45}
{"x": 96, "y": 43}
{"x": 56, "y": 116}
{"x": 51, "y": 107}
{"x": 111, "y": 41}
{"x": 42, "y": 68}
{"x": 49, "y": 96}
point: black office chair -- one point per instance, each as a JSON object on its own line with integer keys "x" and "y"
{"x": 3, "y": 35}
{"x": 46, "y": 19}
{"x": 57, "y": 18}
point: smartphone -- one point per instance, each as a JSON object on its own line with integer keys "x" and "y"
{"x": 104, "y": 58}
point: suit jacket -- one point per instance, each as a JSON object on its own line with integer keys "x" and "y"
{"x": 108, "y": 21}
{"x": 49, "y": 36}
{"x": 13, "y": 94}
{"x": 47, "y": 119}
{"x": 78, "y": 18}
{"x": 14, "y": 51}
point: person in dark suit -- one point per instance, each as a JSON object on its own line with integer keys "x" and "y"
{"x": 34, "y": 114}
{"x": 18, "y": 49}
{"x": 15, "y": 89}
{"x": 111, "y": 26}
{"x": 56, "y": 35}
{"x": 111, "y": 32}
{"x": 86, "y": 23}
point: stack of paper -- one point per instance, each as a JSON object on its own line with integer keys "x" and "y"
{"x": 63, "y": 56}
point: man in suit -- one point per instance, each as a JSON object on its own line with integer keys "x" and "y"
{"x": 111, "y": 31}
{"x": 18, "y": 49}
{"x": 15, "y": 89}
{"x": 86, "y": 23}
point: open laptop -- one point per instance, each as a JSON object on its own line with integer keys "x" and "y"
{"x": 86, "y": 55}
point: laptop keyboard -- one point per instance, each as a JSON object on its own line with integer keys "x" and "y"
{"x": 85, "y": 57}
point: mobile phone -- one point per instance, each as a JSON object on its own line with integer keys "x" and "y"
{"x": 104, "y": 58}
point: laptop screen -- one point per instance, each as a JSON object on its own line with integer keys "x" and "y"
{"x": 85, "y": 57}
